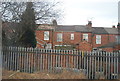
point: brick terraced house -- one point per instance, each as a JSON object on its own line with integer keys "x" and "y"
{"x": 82, "y": 37}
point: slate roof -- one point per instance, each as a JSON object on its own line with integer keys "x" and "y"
{"x": 65, "y": 28}
{"x": 84, "y": 28}
{"x": 112, "y": 30}
{"x": 75, "y": 28}
{"x": 99, "y": 30}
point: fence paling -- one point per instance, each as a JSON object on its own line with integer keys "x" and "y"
{"x": 33, "y": 59}
{"x": 117, "y": 64}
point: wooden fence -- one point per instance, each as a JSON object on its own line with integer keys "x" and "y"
{"x": 93, "y": 64}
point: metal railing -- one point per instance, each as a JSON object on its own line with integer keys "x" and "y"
{"x": 95, "y": 65}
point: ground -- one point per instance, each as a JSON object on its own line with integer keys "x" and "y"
{"x": 42, "y": 75}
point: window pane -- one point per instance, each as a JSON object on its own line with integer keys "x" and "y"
{"x": 59, "y": 37}
{"x": 98, "y": 39}
{"x": 46, "y": 35}
{"x": 72, "y": 36}
{"x": 85, "y": 37}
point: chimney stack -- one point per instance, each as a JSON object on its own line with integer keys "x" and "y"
{"x": 54, "y": 23}
{"x": 118, "y": 26}
{"x": 113, "y": 26}
{"x": 89, "y": 24}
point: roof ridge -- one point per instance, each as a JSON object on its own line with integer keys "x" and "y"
{"x": 71, "y": 25}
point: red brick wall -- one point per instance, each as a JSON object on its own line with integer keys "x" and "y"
{"x": 89, "y": 37}
{"x": 85, "y": 46}
{"x": 112, "y": 38}
{"x": 117, "y": 47}
{"x": 108, "y": 49}
{"x": 40, "y": 36}
{"x": 66, "y": 38}
{"x": 78, "y": 38}
{"x": 104, "y": 40}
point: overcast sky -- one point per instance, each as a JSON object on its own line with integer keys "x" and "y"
{"x": 102, "y": 13}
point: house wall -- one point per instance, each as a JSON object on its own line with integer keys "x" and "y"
{"x": 89, "y": 36}
{"x": 66, "y": 38}
{"x": 85, "y": 46}
{"x": 108, "y": 49}
{"x": 111, "y": 49}
{"x": 117, "y": 47}
{"x": 104, "y": 40}
{"x": 40, "y": 36}
{"x": 78, "y": 39}
{"x": 112, "y": 38}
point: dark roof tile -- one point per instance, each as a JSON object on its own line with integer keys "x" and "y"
{"x": 99, "y": 30}
{"x": 112, "y": 30}
{"x": 84, "y": 28}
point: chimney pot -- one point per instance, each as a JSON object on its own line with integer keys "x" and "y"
{"x": 113, "y": 26}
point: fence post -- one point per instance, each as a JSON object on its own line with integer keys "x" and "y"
{"x": 51, "y": 62}
{"x": 109, "y": 66}
{"x": 10, "y": 59}
{"x": 15, "y": 56}
{"x": 84, "y": 58}
{"x": 95, "y": 65}
{"x": 59, "y": 58}
{"x": 87, "y": 64}
{"x": 77, "y": 59}
{"x": 92, "y": 67}
{"x": 33, "y": 59}
{"x": 117, "y": 56}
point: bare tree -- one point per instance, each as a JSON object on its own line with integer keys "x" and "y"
{"x": 47, "y": 11}
{"x": 44, "y": 11}
{"x": 11, "y": 11}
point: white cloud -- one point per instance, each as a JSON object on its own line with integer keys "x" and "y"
{"x": 101, "y": 11}
{"x": 89, "y": 1}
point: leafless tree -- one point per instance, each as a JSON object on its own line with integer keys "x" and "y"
{"x": 44, "y": 11}
{"x": 11, "y": 11}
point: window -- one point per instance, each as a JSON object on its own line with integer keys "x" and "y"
{"x": 85, "y": 37}
{"x": 98, "y": 39}
{"x": 59, "y": 37}
{"x": 46, "y": 35}
{"x": 117, "y": 39}
{"x": 72, "y": 37}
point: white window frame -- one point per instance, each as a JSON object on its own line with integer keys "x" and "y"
{"x": 72, "y": 36}
{"x": 85, "y": 37}
{"x": 98, "y": 39}
{"x": 46, "y": 35}
{"x": 59, "y": 37}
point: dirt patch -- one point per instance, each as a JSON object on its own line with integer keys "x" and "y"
{"x": 42, "y": 75}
